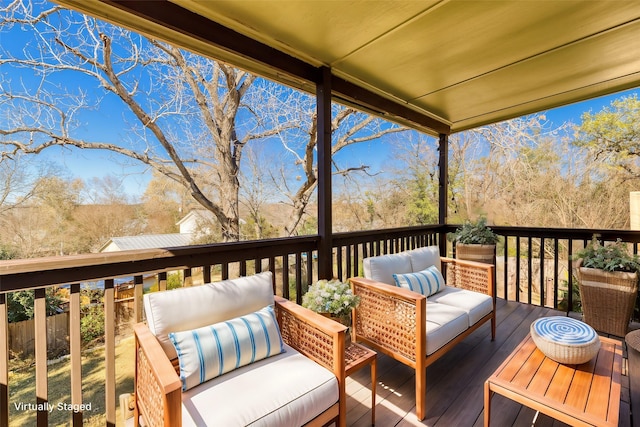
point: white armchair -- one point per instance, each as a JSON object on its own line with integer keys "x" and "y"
{"x": 198, "y": 359}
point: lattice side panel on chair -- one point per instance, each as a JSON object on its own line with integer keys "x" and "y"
{"x": 307, "y": 339}
{"x": 149, "y": 394}
{"x": 467, "y": 277}
{"x": 387, "y": 321}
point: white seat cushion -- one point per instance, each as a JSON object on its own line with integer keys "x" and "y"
{"x": 382, "y": 268}
{"x": 475, "y": 304}
{"x": 444, "y": 323}
{"x": 284, "y": 390}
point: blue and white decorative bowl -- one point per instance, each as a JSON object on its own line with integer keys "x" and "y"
{"x": 565, "y": 340}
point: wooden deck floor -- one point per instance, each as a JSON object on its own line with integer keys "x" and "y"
{"x": 455, "y": 382}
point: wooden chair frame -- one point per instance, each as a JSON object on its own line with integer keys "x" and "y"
{"x": 158, "y": 395}
{"x": 392, "y": 320}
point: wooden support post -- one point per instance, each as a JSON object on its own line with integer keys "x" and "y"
{"x": 443, "y": 190}
{"x": 325, "y": 224}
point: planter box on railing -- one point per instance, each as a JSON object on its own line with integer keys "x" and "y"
{"x": 607, "y": 299}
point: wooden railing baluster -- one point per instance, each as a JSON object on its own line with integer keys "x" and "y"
{"x": 110, "y": 351}
{"x": 542, "y": 282}
{"x": 338, "y": 261}
{"x": 40, "y": 325}
{"x": 225, "y": 270}
{"x": 298, "y": 278}
{"x": 162, "y": 281}
{"x": 138, "y": 291}
{"x": 518, "y": 268}
{"x": 349, "y": 262}
{"x": 569, "y": 268}
{"x": 309, "y": 267}
{"x": 272, "y": 267}
{"x": 285, "y": 276}
{"x": 188, "y": 279}
{"x": 505, "y": 262}
{"x": 555, "y": 273}
{"x": 206, "y": 274}
{"x": 75, "y": 348}
{"x": 4, "y": 362}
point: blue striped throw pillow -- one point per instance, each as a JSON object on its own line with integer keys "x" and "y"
{"x": 426, "y": 282}
{"x": 213, "y": 350}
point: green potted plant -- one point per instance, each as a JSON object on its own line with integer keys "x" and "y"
{"x": 476, "y": 241}
{"x": 608, "y": 282}
{"x": 332, "y": 298}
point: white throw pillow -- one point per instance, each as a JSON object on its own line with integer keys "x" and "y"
{"x": 426, "y": 282}
{"x": 213, "y": 350}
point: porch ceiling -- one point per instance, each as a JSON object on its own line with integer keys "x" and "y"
{"x": 446, "y": 65}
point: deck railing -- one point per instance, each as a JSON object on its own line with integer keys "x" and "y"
{"x": 535, "y": 265}
{"x": 286, "y": 258}
{"x": 522, "y": 274}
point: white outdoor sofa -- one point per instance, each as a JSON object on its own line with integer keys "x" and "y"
{"x": 411, "y": 327}
{"x": 221, "y": 330}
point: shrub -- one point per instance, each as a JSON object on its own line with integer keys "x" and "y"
{"x": 92, "y": 324}
{"x": 475, "y": 233}
{"x": 608, "y": 257}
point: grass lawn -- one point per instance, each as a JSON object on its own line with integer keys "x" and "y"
{"x": 22, "y": 387}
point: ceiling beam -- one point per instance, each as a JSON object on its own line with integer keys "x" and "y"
{"x": 387, "y": 108}
{"x": 183, "y": 21}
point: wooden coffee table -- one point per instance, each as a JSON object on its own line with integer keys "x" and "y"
{"x": 578, "y": 395}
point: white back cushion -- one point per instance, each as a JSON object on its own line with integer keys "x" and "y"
{"x": 382, "y": 268}
{"x": 190, "y": 308}
{"x": 422, "y": 258}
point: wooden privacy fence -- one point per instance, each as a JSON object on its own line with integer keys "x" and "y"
{"x": 22, "y": 336}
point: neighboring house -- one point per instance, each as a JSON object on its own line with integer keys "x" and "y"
{"x": 146, "y": 241}
{"x": 196, "y": 221}
{"x": 192, "y": 224}
{"x": 199, "y": 223}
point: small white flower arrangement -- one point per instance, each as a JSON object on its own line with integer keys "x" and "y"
{"x": 330, "y": 296}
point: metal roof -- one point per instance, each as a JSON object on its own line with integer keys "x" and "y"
{"x": 148, "y": 241}
{"x": 438, "y": 66}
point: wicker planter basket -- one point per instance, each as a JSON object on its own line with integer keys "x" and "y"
{"x": 607, "y": 298}
{"x": 474, "y": 252}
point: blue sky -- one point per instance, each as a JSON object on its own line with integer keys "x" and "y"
{"x": 88, "y": 164}
{"x": 573, "y": 112}
{"x": 103, "y": 126}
